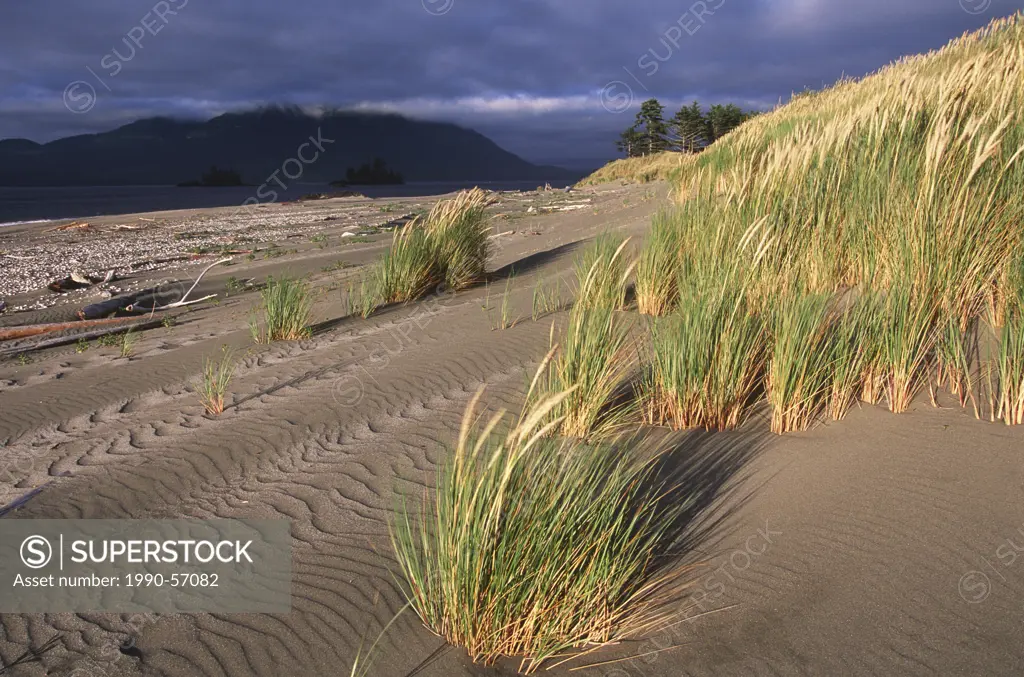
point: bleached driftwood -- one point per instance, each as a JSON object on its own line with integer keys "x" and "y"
{"x": 183, "y": 301}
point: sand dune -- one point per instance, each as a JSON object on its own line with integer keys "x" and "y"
{"x": 872, "y": 546}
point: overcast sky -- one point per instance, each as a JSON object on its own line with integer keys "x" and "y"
{"x": 551, "y": 80}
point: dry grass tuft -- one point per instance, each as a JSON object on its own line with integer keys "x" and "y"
{"x": 540, "y": 548}
{"x": 213, "y": 383}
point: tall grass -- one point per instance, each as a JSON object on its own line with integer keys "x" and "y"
{"x": 1010, "y": 358}
{"x": 505, "y": 320}
{"x": 854, "y": 371}
{"x": 546, "y": 299}
{"x": 602, "y": 273}
{"x": 127, "y": 343}
{"x": 800, "y": 369}
{"x": 707, "y": 361}
{"x": 657, "y": 288}
{"x": 537, "y": 547}
{"x": 906, "y": 342}
{"x": 902, "y": 186}
{"x": 409, "y": 270}
{"x": 449, "y": 247}
{"x": 459, "y": 237}
{"x": 286, "y": 308}
{"x": 591, "y": 364}
{"x": 955, "y": 354}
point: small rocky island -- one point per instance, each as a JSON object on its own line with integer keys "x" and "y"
{"x": 215, "y": 178}
{"x": 376, "y": 173}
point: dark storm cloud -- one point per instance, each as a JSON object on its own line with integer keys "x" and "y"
{"x": 529, "y": 73}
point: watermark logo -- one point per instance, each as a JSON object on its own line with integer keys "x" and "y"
{"x": 156, "y": 566}
{"x": 79, "y": 97}
{"x": 438, "y": 7}
{"x": 36, "y": 552}
{"x": 616, "y": 97}
{"x": 348, "y": 391}
{"x": 975, "y": 6}
{"x": 974, "y": 587}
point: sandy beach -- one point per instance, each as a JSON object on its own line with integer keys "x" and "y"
{"x": 879, "y": 545}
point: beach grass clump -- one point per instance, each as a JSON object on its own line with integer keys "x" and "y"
{"x": 214, "y": 379}
{"x": 546, "y": 299}
{"x": 1010, "y": 357}
{"x": 460, "y": 238}
{"x": 707, "y": 361}
{"x": 801, "y": 363}
{"x": 409, "y": 270}
{"x": 448, "y": 248}
{"x": 504, "y": 320}
{"x": 537, "y": 547}
{"x": 1011, "y": 369}
{"x": 591, "y": 363}
{"x": 365, "y": 297}
{"x": 906, "y": 342}
{"x": 854, "y": 371}
{"x": 955, "y": 352}
{"x": 657, "y": 269}
{"x": 127, "y": 343}
{"x": 602, "y": 273}
{"x": 286, "y": 308}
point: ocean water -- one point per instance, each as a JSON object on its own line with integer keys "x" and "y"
{"x": 19, "y": 205}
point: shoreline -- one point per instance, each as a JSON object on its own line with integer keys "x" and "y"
{"x": 38, "y": 252}
{"x": 130, "y": 200}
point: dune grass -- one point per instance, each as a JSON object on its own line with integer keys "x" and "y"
{"x": 286, "y": 309}
{"x": 901, "y": 188}
{"x": 657, "y": 290}
{"x": 906, "y": 343}
{"x": 707, "y": 361}
{"x": 591, "y": 363}
{"x": 504, "y": 320}
{"x": 646, "y": 169}
{"x": 459, "y": 238}
{"x": 955, "y": 355}
{"x": 537, "y": 547}
{"x": 409, "y": 270}
{"x": 1011, "y": 370}
{"x": 127, "y": 343}
{"x": 546, "y": 299}
{"x": 602, "y": 273}
{"x": 448, "y": 248}
{"x": 801, "y": 364}
{"x": 1010, "y": 357}
{"x": 213, "y": 382}
{"x": 854, "y": 371}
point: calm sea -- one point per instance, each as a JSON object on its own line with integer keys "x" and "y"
{"x": 19, "y": 205}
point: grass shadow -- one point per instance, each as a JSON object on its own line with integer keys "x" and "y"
{"x": 532, "y": 262}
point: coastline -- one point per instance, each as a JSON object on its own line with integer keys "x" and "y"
{"x": 142, "y": 246}
{"x": 20, "y": 205}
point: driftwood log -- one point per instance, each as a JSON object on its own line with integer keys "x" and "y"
{"x": 145, "y": 301}
{"x": 87, "y": 335}
{"x": 27, "y": 330}
{"x": 116, "y": 304}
